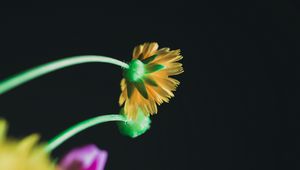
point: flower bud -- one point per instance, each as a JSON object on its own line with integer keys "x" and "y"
{"x": 135, "y": 127}
{"x": 88, "y": 157}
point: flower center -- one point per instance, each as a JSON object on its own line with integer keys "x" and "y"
{"x": 135, "y": 71}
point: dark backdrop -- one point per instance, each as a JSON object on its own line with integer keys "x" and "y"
{"x": 237, "y": 106}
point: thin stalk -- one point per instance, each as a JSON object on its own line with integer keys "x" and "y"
{"x": 43, "y": 69}
{"x": 70, "y": 132}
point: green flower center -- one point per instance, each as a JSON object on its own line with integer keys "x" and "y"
{"x": 135, "y": 71}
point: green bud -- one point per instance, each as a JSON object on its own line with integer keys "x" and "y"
{"x": 136, "y": 127}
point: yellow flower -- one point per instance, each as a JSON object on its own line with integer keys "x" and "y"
{"x": 146, "y": 82}
{"x": 22, "y": 155}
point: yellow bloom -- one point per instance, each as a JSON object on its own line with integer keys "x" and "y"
{"x": 146, "y": 82}
{"x": 22, "y": 155}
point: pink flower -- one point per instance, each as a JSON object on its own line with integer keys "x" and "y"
{"x": 88, "y": 157}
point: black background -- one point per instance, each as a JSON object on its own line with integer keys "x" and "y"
{"x": 237, "y": 106}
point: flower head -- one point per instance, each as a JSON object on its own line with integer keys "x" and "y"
{"x": 88, "y": 157}
{"x": 24, "y": 154}
{"x": 147, "y": 81}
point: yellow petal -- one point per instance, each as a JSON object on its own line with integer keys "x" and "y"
{"x": 158, "y": 95}
{"x": 130, "y": 109}
{"x": 171, "y": 56}
{"x": 122, "y": 98}
{"x": 3, "y": 129}
{"x": 149, "y": 49}
{"x": 137, "y": 51}
{"x": 123, "y": 84}
{"x": 27, "y": 143}
{"x": 174, "y": 69}
{"x": 163, "y": 51}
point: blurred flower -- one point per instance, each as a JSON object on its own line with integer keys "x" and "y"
{"x": 135, "y": 127}
{"x": 88, "y": 157}
{"x": 24, "y": 154}
{"x": 146, "y": 82}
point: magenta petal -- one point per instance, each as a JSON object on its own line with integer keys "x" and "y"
{"x": 88, "y": 157}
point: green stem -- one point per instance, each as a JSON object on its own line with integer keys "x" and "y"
{"x": 43, "y": 69}
{"x": 65, "y": 135}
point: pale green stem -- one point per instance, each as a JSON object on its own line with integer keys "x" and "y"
{"x": 43, "y": 69}
{"x": 65, "y": 135}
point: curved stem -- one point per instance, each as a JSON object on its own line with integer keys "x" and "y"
{"x": 65, "y": 135}
{"x": 43, "y": 69}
